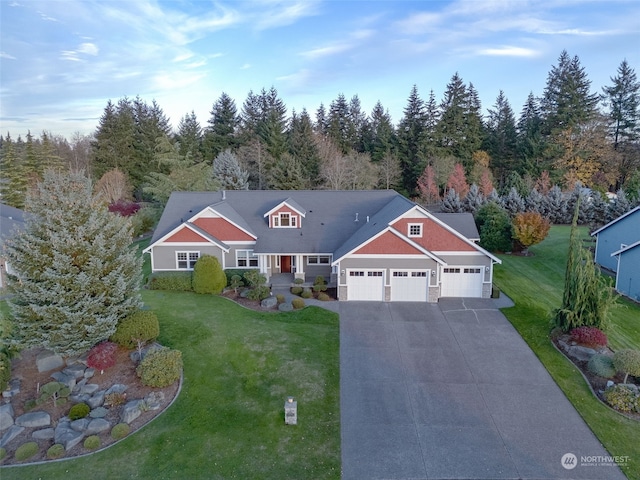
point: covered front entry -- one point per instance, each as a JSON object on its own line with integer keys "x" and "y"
{"x": 365, "y": 285}
{"x": 285, "y": 264}
{"x": 462, "y": 282}
{"x": 409, "y": 285}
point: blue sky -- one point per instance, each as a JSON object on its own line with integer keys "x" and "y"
{"x": 60, "y": 61}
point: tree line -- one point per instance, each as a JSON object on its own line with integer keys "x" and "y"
{"x": 569, "y": 133}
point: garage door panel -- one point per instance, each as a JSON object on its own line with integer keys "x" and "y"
{"x": 409, "y": 286}
{"x": 462, "y": 282}
{"x": 365, "y": 285}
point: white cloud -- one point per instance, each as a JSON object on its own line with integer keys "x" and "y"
{"x": 418, "y": 23}
{"x": 286, "y": 13}
{"x": 88, "y": 48}
{"x": 327, "y": 51}
{"x": 173, "y": 80}
{"x": 246, "y": 66}
{"x": 508, "y": 51}
{"x": 7, "y": 56}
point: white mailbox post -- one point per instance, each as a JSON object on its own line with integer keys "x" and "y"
{"x": 290, "y": 411}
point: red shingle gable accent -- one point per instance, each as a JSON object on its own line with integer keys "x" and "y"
{"x": 434, "y": 237}
{"x": 222, "y": 229}
{"x": 390, "y": 244}
{"x": 185, "y": 234}
{"x": 285, "y": 209}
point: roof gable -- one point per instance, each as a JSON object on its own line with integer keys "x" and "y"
{"x": 633, "y": 211}
{"x": 388, "y": 243}
{"x": 288, "y": 203}
{"x": 626, "y": 249}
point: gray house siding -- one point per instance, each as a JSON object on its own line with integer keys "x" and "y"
{"x": 611, "y": 238}
{"x": 164, "y": 257}
{"x": 628, "y": 275}
{"x": 471, "y": 260}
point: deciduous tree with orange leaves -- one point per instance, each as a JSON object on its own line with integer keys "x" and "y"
{"x": 530, "y": 228}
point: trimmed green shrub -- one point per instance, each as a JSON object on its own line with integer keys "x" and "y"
{"x": 30, "y": 404}
{"x": 55, "y": 391}
{"x": 120, "y": 431}
{"x": 236, "y": 282}
{"x": 92, "y": 442}
{"x": 230, "y": 273}
{"x": 319, "y": 280}
{"x": 160, "y": 368}
{"x": 280, "y": 298}
{"x": 495, "y": 227}
{"x": 628, "y": 362}
{"x": 26, "y": 451}
{"x": 259, "y": 293}
{"x": 601, "y": 365}
{"x": 296, "y": 290}
{"x": 3, "y": 453}
{"x": 254, "y": 278}
{"x": 144, "y": 220}
{"x": 297, "y": 303}
{"x": 138, "y": 328}
{"x": 55, "y": 451}
{"x": 5, "y": 371}
{"x": 208, "y": 276}
{"x": 306, "y": 293}
{"x": 323, "y": 297}
{"x": 622, "y": 398}
{"x": 78, "y": 411}
{"x": 176, "y": 281}
{"x": 298, "y": 281}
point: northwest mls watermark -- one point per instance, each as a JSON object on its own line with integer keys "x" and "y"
{"x": 571, "y": 461}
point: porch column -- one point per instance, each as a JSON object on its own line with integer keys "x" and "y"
{"x": 299, "y": 266}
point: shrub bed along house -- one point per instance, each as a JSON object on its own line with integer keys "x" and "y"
{"x": 176, "y": 281}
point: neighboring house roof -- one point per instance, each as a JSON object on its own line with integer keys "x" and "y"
{"x": 335, "y": 222}
{"x": 612, "y": 222}
{"x": 626, "y": 248}
{"x": 11, "y": 220}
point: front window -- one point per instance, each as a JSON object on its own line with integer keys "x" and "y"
{"x": 187, "y": 260}
{"x": 318, "y": 260}
{"x": 246, "y": 259}
{"x": 284, "y": 220}
{"x": 415, "y": 229}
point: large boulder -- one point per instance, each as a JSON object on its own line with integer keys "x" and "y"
{"x": 67, "y": 436}
{"x": 76, "y": 370}
{"x": 131, "y": 411}
{"x": 47, "y": 361}
{"x": 580, "y": 353}
{"x": 6, "y": 416}
{"x": 97, "y": 425}
{"x": 96, "y": 400}
{"x": 68, "y": 380}
{"x": 34, "y": 419}
{"x": 269, "y": 302}
{"x": 10, "y": 434}
{"x": 44, "y": 434}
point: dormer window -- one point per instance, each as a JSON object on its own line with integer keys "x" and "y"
{"x": 415, "y": 230}
{"x": 284, "y": 220}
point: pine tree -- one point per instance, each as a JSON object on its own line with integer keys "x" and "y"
{"x": 300, "y": 138}
{"x": 189, "y": 137}
{"x": 501, "y": 139}
{"x": 411, "y": 141}
{"x": 530, "y": 142}
{"x": 13, "y": 188}
{"x": 619, "y": 206}
{"x": 321, "y": 125}
{"x": 382, "y": 132}
{"x": 338, "y": 123}
{"x": 221, "y": 131}
{"x": 512, "y": 202}
{"x": 451, "y": 202}
{"x": 555, "y": 206}
{"x": 76, "y": 273}
{"x": 534, "y": 202}
{"x": 227, "y": 171}
{"x": 579, "y": 197}
{"x": 599, "y": 210}
{"x": 287, "y": 174}
{"x": 452, "y": 127}
{"x": 473, "y": 200}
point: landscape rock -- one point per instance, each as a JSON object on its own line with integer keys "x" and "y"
{"x": 285, "y": 307}
{"x": 80, "y": 425}
{"x": 44, "y": 434}
{"x": 97, "y": 425}
{"x": 34, "y": 419}
{"x": 68, "y": 437}
{"x": 96, "y": 400}
{"x": 131, "y": 411}
{"x": 610, "y": 383}
{"x": 47, "y": 361}
{"x": 581, "y": 353}
{"x": 98, "y": 412}
{"x": 14, "y": 388}
{"x": 154, "y": 400}
{"x": 67, "y": 380}
{"x": 89, "y": 372}
{"x": 89, "y": 388}
{"x": 6, "y": 416}
{"x": 76, "y": 371}
{"x": 10, "y": 434}
{"x": 269, "y": 302}
{"x": 80, "y": 398}
{"x": 117, "y": 388}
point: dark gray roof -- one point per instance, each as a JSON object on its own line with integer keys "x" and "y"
{"x": 461, "y": 222}
{"x": 335, "y": 223}
{"x": 11, "y": 220}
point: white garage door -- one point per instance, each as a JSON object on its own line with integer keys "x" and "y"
{"x": 365, "y": 285}
{"x": 409, "y": 286}
{"x": 462, "y": 282}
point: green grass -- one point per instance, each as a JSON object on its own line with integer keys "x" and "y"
{"x": 536, "y": 284}
{"x": 228, "y": 422}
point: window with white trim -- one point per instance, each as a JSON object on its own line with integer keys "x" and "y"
{"x": 400, "y": 274}
{"x": 318, "y": 260}
{"x": 186, "y": 260}
{"x": 246, "y": 259}
{"x": 415, "y": 230}
{"x": 284, "y": 220}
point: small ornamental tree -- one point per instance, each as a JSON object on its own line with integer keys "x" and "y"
{"x": 428, "y": 186}
{"x": 458, "y": 181}
{"x": 208, "y": 276}
{"x": 75, "y": 271}
{"x": 530, "y": 228}
{"x": 102, "y": 356}
{"x": 628, "y": 362}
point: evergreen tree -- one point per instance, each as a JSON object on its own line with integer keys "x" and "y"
{"x": 579, "y": 197}
{"x": 501, "y": 141}
{"x": 512, "y": 202}
{"x": 599, "y": 210}
{"x": 14, "y": 187}
{"x": 623, "y": 99}
{"x": 302, "y": 147}
{"x": 76, "y": 273}
{"x": 428, "y": 186}
{"x": 474, "y": 132}
{"x": 530, "y": 142}
{"x": 431, "y": 119}
{"x": 227, "y": 171}
{"x": 32, "y": 164}
{"x": 357, "y": 126}
{"x": 495, "y": 228}
{"x": 473, "y": 200}
{"x": 287, "y": 174}
{"x": 618, "y": 206}
{"x": 221, "y": 131}
{"x": 411, "y": 141}
{"x": 338, "y": 123}
{"x": 534, "y": 202}
{"x": 189, "y": 137}
{"x": 321, "y": 126}
{"x": 451, "y": 202}
{"x": 382, "y": 132}
{"x": 458, "y": 181}
{"x": 555, "y": 206}
{"x": 272, "y": 126}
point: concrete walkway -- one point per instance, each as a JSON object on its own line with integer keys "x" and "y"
{"x": 450, "y": 390}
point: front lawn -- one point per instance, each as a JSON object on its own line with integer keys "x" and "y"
{"x": 228, "y": 422}
{"x": 536, "y": 285}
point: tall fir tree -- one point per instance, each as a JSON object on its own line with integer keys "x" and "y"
{"x": 452, "y": 125}
{"x": 221, "y": 131}
{"x": 531, "y": 144}
{"x": 76, "y": 273}
{"x": 410, "y": 134}
{"x": 501, "y": 141}
{"x": 302, "y": 147}
{"x": 338, "y": 123}
{"x": 189, "y": 137}
{"x": 14, "y": 187}
{"x": 382, "y": 133}
{"x": 228, "y": 172}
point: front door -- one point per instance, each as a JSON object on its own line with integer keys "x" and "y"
{"x": 285, "y": 264}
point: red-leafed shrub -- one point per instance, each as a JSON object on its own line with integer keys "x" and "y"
{"x": 125, "y": 209}
{"x": 102, "y": 356}
{"x": 589, "y": 336}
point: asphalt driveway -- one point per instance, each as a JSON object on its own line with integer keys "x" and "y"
{"x": 450, "y": 390}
